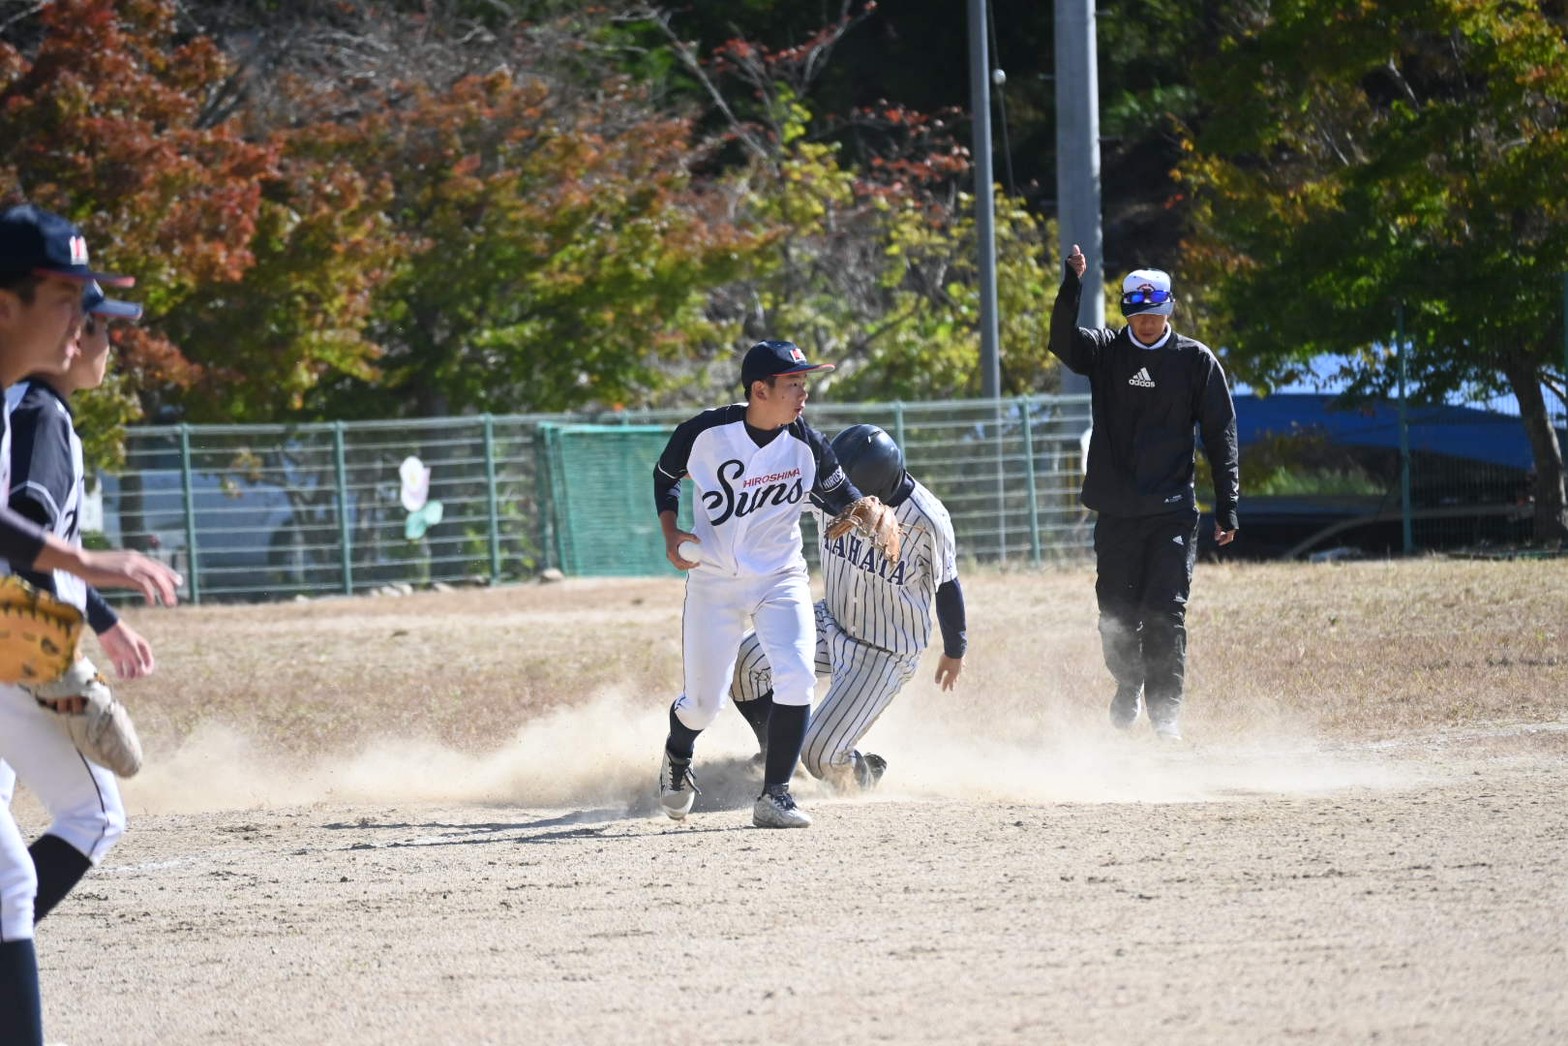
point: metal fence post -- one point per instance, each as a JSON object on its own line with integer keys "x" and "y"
{"x": 1034, "y": 503}
{"x": 544, "y": 498}
{"x": 341, "y": 462}
{"x": 192, "y": 573}
{"x": 1001, "y": 479}
{"x": 493, "y": 501}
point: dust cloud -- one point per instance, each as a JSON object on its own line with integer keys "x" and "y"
{"x": 603, "y": 755}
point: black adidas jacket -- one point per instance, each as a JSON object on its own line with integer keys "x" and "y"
{"x": 1146, "y": 404}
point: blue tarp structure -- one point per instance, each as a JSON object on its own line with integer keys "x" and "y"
{"x": 1459, "y": 432}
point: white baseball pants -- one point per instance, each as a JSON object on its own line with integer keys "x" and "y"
{"x": 82, "y": 797}
{"x": 718, "y": 611}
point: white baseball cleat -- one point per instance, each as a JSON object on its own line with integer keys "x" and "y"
{"x": 775, "y": 808}
{"x": 677, "y": 788}
{"x": 1124, "y": 707}
{"x": 1167, "y": 730}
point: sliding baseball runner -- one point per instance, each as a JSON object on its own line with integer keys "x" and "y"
{"x": 875, "y": 622}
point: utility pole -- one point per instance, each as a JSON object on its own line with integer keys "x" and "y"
{"x": 985, "y": 201}
{"x": 1405, "y": 519}
{"x": 1078, "y": 160}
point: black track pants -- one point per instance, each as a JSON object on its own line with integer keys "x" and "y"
{"x": 1145, "y": 574}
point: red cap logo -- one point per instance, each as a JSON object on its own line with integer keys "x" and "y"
{"x": 796, "y": 355}
{"x": 78, "y": 250}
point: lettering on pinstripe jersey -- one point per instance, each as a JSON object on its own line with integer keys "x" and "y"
{"x": 728, "y": 502}
{"x": 864, "y": 556}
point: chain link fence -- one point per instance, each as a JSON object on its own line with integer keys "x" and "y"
{"x": 262, "y": 512}
{"x": 271, "y": 512}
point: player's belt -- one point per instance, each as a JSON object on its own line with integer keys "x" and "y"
{"x": 861, "y": 642}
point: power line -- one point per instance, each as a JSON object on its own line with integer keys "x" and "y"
{"x": 999, "y": 80}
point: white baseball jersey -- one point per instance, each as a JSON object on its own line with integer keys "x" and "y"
{"x": 751, "y": 569}
{"x": 82, "y": 797}
{"x": 749, "y": 497}
{"x": 48, "y": 473}
{"x": 889, "y": 605}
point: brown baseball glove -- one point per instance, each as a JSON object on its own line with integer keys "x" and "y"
{"x": 38, "y": 633}
{"x": 102, "y": 729}
{"x": 874, "y": 521}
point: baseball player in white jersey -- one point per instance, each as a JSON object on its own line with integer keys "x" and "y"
{"x": 875, "y": 622}
{"x": 43, "y": 271}
{"x": 752, "y": 465}
{"x": 47, "y": 481}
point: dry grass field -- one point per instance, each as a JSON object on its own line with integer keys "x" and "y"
{"x": 431, "y": 819}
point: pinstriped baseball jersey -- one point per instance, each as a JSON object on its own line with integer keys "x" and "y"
{"x": 889, "y": 605}
{"x": 750, "y": 497}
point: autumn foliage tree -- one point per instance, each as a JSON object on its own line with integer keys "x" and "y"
{"x": 253, "y": 261}
{"x": 555, "y": 255}
{"x": 366, "y": 215}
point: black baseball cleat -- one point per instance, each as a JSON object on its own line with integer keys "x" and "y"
{"x": 869, "y": 769}
{"x": 1124, "y": 707}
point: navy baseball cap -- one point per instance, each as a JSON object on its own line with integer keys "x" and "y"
{"x": 768, "y": 358}
{"x": 45, "y": 244}
{"x": 97, "y": 303}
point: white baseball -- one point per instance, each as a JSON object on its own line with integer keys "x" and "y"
{"x": 690, "y": 551}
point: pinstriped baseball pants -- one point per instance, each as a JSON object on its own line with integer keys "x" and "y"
{"x": 865, "y": 680}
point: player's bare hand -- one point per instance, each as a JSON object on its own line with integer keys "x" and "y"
{"x": 65, "y": 705}
{"x": 948, "y": 669}
{"x": 672, "y": 546}
{"x": 1222, "y": 536}
{"x": 130, "y": 654}
{"x": 119, "y": 568}
{"x": 1077, "y": 262}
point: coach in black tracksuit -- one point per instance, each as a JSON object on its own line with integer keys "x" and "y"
{"x": 1151, "y": 387}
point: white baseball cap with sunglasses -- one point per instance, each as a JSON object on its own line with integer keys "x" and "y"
{"x": 1147, "y": 291}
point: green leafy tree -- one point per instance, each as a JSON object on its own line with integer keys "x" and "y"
{"x": 1407, "y": 151}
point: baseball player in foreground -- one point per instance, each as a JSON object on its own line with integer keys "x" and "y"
{"x": 1151, "y": 389}
{"x": 43, "y": 271}
{"x": 47, "y": 480}
{"x": 752, "y": 465}
{"x": 875, "y": 622}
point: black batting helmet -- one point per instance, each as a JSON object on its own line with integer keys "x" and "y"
{"x": 871, "y": 459}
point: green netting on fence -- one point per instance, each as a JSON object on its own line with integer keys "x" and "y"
{"x": 601, "y": 487}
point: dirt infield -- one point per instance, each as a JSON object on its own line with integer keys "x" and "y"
{"x": 431, "y": 819}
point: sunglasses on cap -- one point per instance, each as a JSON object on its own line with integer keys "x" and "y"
{"x": 1147, "y": 297}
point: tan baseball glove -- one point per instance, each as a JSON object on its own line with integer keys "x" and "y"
{"x": 38, "y": 633}
{"x": 874, "y": 521}
{"x": 102, "y": 730}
